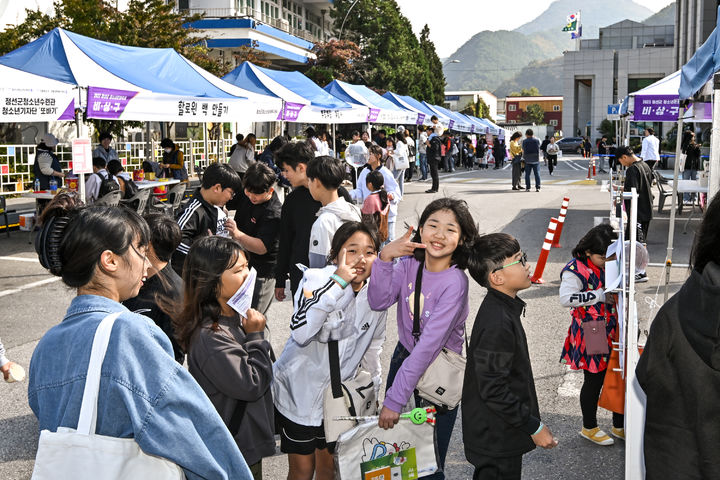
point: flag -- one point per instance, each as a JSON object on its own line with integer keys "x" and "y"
{"x": 577, "y": 34}
{"x": 572, "y": 22}
{"x": 701, "y": 67}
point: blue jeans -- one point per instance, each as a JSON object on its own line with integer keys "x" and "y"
{"x": 423, "y": 166}
{"x": 444, "y": 422}
{"x": 689, "y": 175}
{"x": 399, "y": 176}
{"x": 534, "y": 167}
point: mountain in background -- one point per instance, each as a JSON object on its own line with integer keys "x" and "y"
{"x": 493, "y": 60}
{"x": 666, "y": 16}
{"x": 546, "y": 75}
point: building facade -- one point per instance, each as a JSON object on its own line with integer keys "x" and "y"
{"x": 285, "y": 31}
{"x": 515, "y": 108}
{"x": 458, "y": 100}
{"x": 695, "y": 21}
{"x": 626, "y": 57}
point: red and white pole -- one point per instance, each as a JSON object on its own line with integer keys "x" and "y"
{"x": 561, "y": 222}
{"x": 540, "y": 266}
{"x": 593, "y": 164}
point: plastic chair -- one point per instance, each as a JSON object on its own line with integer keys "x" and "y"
{"x": 4, "y": 213}
{"x": 664, "y": 188}
{"x": 111, "y": 199}
{"x": 174, "y": 197}
{"x": 138, "y": 201}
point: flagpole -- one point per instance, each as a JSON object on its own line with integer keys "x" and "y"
{"x": 578, "y": 30}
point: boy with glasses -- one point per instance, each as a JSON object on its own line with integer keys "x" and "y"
{"x": 501, "y": 418}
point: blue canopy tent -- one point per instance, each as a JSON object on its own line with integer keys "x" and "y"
{"x": 303, "y": 100}
{"x": 455, "y": 122}
{"x": 168, "y": 87}
{"x": 381, "y": 109}
{"x": 476, "y": 126}
{"x": 412, "y": 105}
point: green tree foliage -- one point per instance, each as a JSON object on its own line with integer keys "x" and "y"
{"x": 526, "y": 92}
{"x": 391, "y": 56}
{"x": 534, "y": 114}
{"x": 145, "y": 23}
{"x": 336, "y": 60}
{"x": 607, "y": 128}
{"x": 477, "y": 109}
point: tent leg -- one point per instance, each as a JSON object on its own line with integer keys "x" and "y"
{"x": 149, "y": 154}
{"x": 205, "y": 144}
{"x": 673, "y": 203}
{"x": 714, "y": 172}
{"x": 335, "y": 154}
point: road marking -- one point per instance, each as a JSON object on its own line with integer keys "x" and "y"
{"x": 571, "y": 384}
{"x": 574, "y": 165}
{"x": 20, "y": 259}
{"x": 29, "y": 285}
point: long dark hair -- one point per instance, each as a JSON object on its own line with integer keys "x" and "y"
{"x": 73, "y": 237}
{"x": 376, "y": 180}
{"x": 208, "y": 258}
{"x": 596, "y": 240}
{"x": 706, "y": 248}
{"x": 468, "y": 229}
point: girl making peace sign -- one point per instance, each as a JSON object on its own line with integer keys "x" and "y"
{"x": 440, "y": 247}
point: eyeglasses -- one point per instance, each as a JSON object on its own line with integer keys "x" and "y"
{"x": 522, "y": 261}
{"x": 232, "y": 194}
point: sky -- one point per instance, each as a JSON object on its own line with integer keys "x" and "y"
{"x": 455, "y": 26}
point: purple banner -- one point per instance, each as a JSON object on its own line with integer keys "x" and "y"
{"x": 107, "y": 102}
{"x": 701, "y": 111}
{"x": 420, "y": 118}
{"x": 290, "y": 111}
{"x": 450, "y": 125}
{"x": 373, "y": 115}
{"x": 472, "y": 128}
{"x": 656, "y": 108}
{"x": 69, "y": 113}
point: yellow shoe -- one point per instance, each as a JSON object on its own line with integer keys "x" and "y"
{"x": 597, "y": 436}
{"x": 618, "y": 433}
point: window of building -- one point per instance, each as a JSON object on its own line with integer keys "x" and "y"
{"x": 556, "y": 108}
{"x": 553, "y": 122}
{"x": 512, "y": 107}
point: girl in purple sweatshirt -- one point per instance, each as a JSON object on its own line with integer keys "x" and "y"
{"x": 441, "y": 246}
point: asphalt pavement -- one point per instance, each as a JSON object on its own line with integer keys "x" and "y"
{"x": 31, "y": 301}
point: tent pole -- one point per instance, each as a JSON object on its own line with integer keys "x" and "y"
{"x": 205, "y": 143}
{"x": 335, "y": 154}
{"x": 220, "y": 142}
{"x": 714, "y": 172}
{"x": 673, "y": 204}
{"x": 149, "y": 154}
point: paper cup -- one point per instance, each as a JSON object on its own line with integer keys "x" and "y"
{"x": 17, "y": 374}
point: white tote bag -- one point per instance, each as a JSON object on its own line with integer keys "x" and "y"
{"x": 81, "y": 454}
{"x": 368, "y": 441}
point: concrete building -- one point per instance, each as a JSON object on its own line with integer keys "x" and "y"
{"x": 515, "y": 107}
{"x": 458, "y": 100}
{"x": 695, "y": 21}
{"x": 284, "y": 30}
{"x": 626, "y": 57}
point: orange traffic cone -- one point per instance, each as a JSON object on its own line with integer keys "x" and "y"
{"x": 540, "y": 266}
{"x": 561, "y": 222}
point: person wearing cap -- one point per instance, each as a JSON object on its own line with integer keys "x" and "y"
{"x": 47, "y": 164}
{"x": 104, "y": 150}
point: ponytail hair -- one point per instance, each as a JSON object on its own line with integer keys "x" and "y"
{"x": 73, "y": 237}
{"x": 377, "y": 182}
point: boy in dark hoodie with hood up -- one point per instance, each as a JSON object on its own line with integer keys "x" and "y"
{"x": 501, "y": 418}
{"x": 679, "y": 369}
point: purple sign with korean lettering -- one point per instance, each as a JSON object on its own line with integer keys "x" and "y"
{"x": 290, "y": 111}
{"x": 107, "y": 102}
{"x": 420, "y": 118}
{"x": 656, "y": 108}
{"x": 373, "y": 115}
{"x": 450, "y": 125}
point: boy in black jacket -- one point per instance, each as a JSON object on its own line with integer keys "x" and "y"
{"x": 501, "y": 419}
{"x": 199, "y": 218}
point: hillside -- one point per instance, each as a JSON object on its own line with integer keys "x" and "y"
{"x": 666, "y": 16}
{"x": 489, "y": 58}
{"x": 545, "y": 75}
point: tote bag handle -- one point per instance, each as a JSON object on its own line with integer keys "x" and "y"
{"x": 88, "y": 408}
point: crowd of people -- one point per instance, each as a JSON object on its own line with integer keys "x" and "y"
{"x": 335, "y": 253}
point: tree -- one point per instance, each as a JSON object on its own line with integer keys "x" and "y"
{"x": 477, "y": 109}
{"x": 145, "y": 23}
{"x": 391, "y": 55}
{"x": 434, "y": 65}
{"x": 335, "y": 60}
{"x": 251, "y": 54}
{"x": 607, "y": 128}
{"x": 534, "y": 114}
{"x": 526, "y": 92}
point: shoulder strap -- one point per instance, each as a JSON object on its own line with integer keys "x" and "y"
{"x": 334, "y": 358}
{"x": 416, "y": 309}
{"x": 237, "y": 417}
{"x": 88, "y": 408}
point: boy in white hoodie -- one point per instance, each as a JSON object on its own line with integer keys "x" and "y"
{"x": 325, "y": 174}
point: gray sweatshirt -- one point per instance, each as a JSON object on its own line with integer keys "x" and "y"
{"x": 230, "y": 366}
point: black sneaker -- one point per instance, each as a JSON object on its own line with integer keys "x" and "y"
{"x": 537, "y": 189}
{"x": 431, "y": 191}
{"x": 641, "y": 277}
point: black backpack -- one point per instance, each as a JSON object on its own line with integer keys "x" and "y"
{"x": 434, "y": 149}
{"x": 130, "y": 188}
{"x": 107, "y": 185}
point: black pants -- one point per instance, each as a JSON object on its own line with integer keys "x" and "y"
{"x": 642, "y": 231}
{"x": 551, "y": 162}
{"x": 516, "y": 174}
{"x": 433, "y": 164}
{"x": 494, "y": 468}
{"x": 589, "y": 396}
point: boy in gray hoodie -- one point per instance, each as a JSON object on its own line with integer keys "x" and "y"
{"x": 325, "y": 174}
